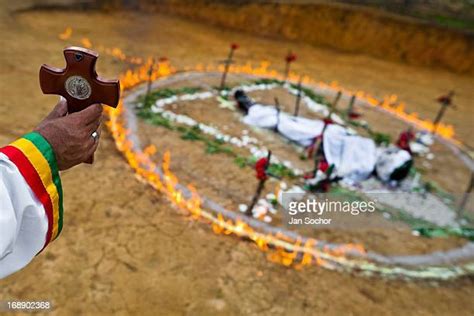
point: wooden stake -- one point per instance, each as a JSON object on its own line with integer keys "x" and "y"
{"x": 298, "y": 98}
{"x": 258, "y": 191}
{"x": 227, "y": 64}
{"x": 287, "y": 70}
{"x": 350, "y": 108}
{"x": 290, "y": 57}
{"x": 277, "y": 106}
{"x": 317, "y": 146}
{"x": 465, "y": 198}
{"x": 336, "y": 99}
{"x": 150, "y": 72}
{"x": 445, "y": 102}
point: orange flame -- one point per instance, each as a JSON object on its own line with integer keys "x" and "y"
{"x": 66, "y": 34}
{"x": 388, "y": 104}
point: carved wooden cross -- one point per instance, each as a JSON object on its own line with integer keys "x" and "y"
{"x": 79, "y": 83}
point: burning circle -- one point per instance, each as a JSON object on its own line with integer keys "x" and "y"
{"x": 78, "y": 87}
{"x": 283, "y": 246}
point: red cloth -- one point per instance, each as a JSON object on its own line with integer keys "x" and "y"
{"x": 261, "y": 169}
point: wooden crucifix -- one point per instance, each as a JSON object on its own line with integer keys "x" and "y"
{"x": 78, "y": 82}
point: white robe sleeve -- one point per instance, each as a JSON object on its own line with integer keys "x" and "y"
{"x": 23, "y": 220}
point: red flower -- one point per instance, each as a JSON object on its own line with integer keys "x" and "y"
{"x": 323, "y": 165}
{"x": 261, "y": 169}
{"x": 354, "y": 115}
{"x": 290, "y": 58}
{"x": 327, "y": 121}
{"x": 445, "y": 99}
{"x": 234, "y": 46}
{"x": 404, "y": 140}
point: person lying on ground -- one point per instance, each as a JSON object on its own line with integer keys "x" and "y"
{"x": 354, "y": 157}
{"x": 31, "y": 197}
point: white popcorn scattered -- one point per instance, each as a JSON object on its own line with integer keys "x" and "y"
{"x": 243, "y": 208}
{"x": 270, "y": 196}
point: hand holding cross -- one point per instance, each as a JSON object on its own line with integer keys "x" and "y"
{"x": 80, "y": 85}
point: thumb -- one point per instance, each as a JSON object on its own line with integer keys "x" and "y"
{"x": 59, "y": 110}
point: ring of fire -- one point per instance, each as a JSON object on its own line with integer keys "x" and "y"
{"x": 287, "y": 248}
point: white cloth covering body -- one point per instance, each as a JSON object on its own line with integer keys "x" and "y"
{"x": 354, "y": 157}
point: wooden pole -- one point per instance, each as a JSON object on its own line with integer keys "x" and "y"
{"x": 439, "y": 116}
{"x": 298, "y": 98}
{"x": 317, "y": 146}
{"x": 287, "y": 70}
{"x": 226, "y": 67}
{"x": 336, "y": 99}
{"x": 465, "y": 198}
{"x": 350, "y": 108}
{"x": 290, "y": 57}
{"x": 258, "y": 191}
{"x": 150, "y": 73}
{"x": 445, "y": 102}
{"x": 278, "y": 109}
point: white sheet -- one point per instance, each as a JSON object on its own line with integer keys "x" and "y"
{"x": 353, "y": 156}
{"x": 298, "y": 129}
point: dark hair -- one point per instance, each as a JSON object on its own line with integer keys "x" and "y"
{"x": 238, "y": 94}
{"x": 243, "y": 101}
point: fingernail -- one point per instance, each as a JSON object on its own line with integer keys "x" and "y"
{"x": 61, "y": 98}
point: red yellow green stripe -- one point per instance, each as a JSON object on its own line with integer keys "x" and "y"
{"x": 34, "y": 181}
{"x": 36, "y": 161}
{"x": 47, "y": 151}
{"x": 44, "y": 171}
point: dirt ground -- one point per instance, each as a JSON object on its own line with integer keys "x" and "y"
{"x": 125, "y": 250}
